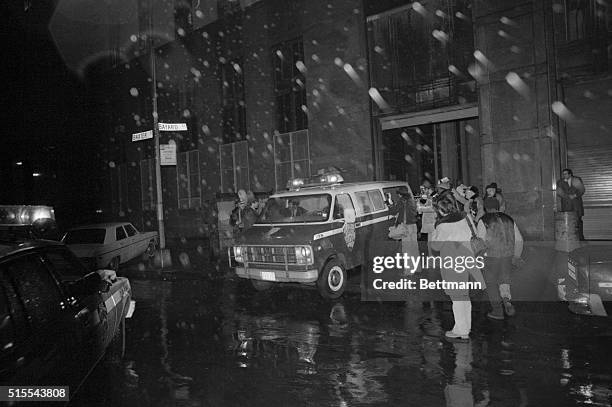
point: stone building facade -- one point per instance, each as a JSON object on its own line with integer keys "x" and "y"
{"x": 480, "y": 91}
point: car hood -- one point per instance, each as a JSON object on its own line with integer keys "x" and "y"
{"x": 282, "y": 234}
{"x": 86, "y": 250}
{"x": 593, "y": 252}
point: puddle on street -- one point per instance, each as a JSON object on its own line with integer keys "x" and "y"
{"x": 188, "y": 346}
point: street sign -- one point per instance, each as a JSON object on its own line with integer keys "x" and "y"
{"x": 167, "y": 154}
{"x": 172, "y": 126}
{"x": 142, "y": 136}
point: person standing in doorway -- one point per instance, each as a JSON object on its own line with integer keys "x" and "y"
{"x": 569, "y": 192}
{"x": 504, "y": 248}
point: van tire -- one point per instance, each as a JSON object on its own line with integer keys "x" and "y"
{"x": 332, "y": 280}
{"x": 260, "y": 285}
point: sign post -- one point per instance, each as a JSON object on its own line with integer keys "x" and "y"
{"x": 167, "y": 156}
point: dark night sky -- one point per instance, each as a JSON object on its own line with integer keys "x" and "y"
{"x": 45, "y": 113}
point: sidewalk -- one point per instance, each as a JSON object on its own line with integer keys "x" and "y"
{"x": 190, "y": 259}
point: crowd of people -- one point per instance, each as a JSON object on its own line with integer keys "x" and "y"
{"x": 450, "y": 218}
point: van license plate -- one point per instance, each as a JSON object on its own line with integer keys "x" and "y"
{"x": 268, "y": 276}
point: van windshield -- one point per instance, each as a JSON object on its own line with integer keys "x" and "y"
{"x": 296, "y": 209}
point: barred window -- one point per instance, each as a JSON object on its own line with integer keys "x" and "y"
{"x": 418, "y": 63}
{"x": 147, "y": 184}
{"x": 118, "y": 180}
{"x": 232, "y": 101}
{"x": 291, "y": 157}
{"x": 290, "y": 86}
{"x": 234, "y": 165}
{"x": 188, "y": 179}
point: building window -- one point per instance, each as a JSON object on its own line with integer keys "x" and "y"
{"x": 186, "y": 95}
{"x": 290, "y": 86}
{"x": 232, "y": 101}
{"x": 421, "y": 63}
{"x": 183, "y": 16}
{"x": 188, "y": 178}
{"x": 234, "y": 164}
{"x": 118, "y": 178}
{"x": 585, "y": 25}
{"x": 291, "y": 157}
{"x": 147, "y": 184}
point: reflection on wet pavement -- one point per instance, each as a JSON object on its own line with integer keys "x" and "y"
{"x": 203, "y": 343}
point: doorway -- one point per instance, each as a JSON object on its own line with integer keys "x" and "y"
{"x": 433, "y": 151}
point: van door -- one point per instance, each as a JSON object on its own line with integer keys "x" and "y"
{"x": 347, "y": 239}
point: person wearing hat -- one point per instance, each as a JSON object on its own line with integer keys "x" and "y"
{"x": 493, "y": 200}
{"x": 406, "y": 212}
{"x": 444, "y": 184}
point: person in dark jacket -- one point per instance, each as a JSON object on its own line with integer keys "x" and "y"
{"x": 406, "y": 212}
{"x": 504, "y": 248}
{"x": 569, "y": 192}
{"x": 243, "y": 216}
{"x": 493, "y": 199}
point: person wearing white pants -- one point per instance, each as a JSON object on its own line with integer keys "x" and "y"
{"x": 451, "y": 238}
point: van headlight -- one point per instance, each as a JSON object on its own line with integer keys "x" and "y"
{"x": 303, "y": 255}
{"x": 239, "y": 253}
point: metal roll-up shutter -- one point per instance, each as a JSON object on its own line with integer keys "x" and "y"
{"x": 594, "y": 165}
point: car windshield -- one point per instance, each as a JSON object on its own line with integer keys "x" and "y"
{"x": 296, "y": 209}
{"x": 85, "y": 236}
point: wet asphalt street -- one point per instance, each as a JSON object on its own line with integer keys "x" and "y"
{"x": 216, "y": 342}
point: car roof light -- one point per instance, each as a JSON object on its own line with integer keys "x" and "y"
{"x": 317, "y": 180}
{"x": 24, "y": 214}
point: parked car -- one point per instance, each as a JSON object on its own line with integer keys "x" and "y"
{"x": 107, "y": 245}
{"x": 57, "y": 319}
{"x": 588, "y": 282}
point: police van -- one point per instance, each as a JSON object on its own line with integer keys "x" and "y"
{"x": 314, "y": 232}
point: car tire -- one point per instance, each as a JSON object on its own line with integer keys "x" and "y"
{"x": 260, "y": 285}
{"x": 151, "y": 248}
{"x": 114, "y": 264}
{"x": 332, "y": 280}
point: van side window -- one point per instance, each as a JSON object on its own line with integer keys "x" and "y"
{"x": 377, "y": 199}
{"x": 343, "y": 201}
{"x": 364, "y": 204}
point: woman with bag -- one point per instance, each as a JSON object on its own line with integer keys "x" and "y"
{"x": 405, "y": 228}
{"x": 452, "y": 237}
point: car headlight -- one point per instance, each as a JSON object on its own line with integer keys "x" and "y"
{"x": 239, "y": 252}
{"x": 303, "y": 255}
